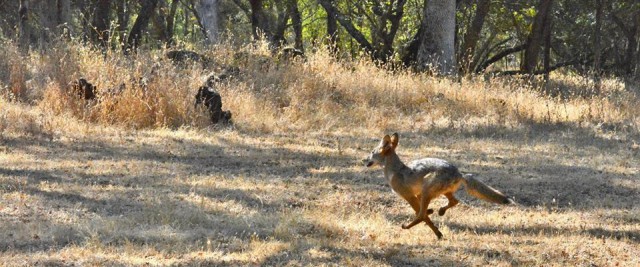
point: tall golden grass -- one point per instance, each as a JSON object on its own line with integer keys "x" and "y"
{"x": 320, "y": 93}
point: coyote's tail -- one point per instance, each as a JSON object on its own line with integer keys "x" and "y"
{"x": 482, "y": 191}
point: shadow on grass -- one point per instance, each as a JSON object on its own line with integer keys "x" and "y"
{"x": 566, "y": 134}
{"x": 599, "y": 233}
{"x": 149, "y": 208}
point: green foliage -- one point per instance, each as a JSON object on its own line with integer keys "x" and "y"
{"x": 507, "y": 25}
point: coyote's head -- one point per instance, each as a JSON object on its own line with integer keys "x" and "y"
{"x": 387, "y": 144}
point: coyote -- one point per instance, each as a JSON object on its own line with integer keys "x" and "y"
{"x": 423, "y": 180}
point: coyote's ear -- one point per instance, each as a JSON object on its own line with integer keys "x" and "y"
{"x": 394, "y": 140}
{"x": 386, "y": 140}
{"x": 385, "y": 144}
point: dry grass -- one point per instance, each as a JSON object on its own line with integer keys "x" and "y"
{"x": 141, "y": 179}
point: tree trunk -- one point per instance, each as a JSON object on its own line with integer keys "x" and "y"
{"x": 637, "y": 57}
{"x": 394, "y": 17}
{"x": 411, "y": 51}
{"x": 57, "y": 17}
{"x": 159, "y": 22}
{"x": 597, "y": 47}
{"x": 332, "y": 32}
{"x": 280, "y": 25}
{"x": 171, "y": 22}
{"x": 101, "y": 21}
{"x": 208, "y": 13}
{"x": 632, "y": 45}
{"x": 296, "y": 20}
{"x": 547, "y": 47}
{"x": 259, "y": 21}
{"x": 437, "y": 45}
{"x": 123, "y": 19}
{"x": 186, "y": 24}
{"x": 471, "y": 37}
{"x": 148, "y": 6}
{"x": 535, "y": 38}
{"x": 24, "y": 29}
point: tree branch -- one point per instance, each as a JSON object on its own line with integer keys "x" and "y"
{"x": 500, "y": 56}
{"x": 346, "y": 23}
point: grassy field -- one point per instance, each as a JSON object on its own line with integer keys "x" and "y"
{"x": 145, "y": 181}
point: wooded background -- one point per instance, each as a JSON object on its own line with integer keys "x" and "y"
{"x": 588, "y": 37}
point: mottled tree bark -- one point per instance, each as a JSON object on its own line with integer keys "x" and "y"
{"x": 437, "y": 44}
{"x": 208, "y": 14}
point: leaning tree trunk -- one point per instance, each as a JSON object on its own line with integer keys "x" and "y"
{"x": 140, "y": 25}
{"x": 345, "y": 21}
{"x": 208, "y": 13}
{"x": 472, "y": 36}
{"x": 437, "y": 45}
{"x": 535, "y": 39}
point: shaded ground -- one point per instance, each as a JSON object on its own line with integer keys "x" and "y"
{"x": 226, "y": 198}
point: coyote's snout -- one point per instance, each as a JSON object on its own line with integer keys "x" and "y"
{"x": 423, "y": 180}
